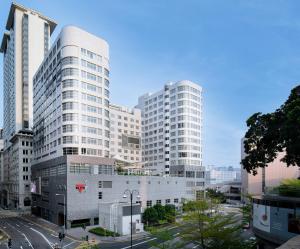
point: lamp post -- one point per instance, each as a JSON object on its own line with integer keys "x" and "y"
{"x": 131, "y": 192}
{"x": 64, "y": 208}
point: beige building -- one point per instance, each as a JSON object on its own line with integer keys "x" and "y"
{"x": 125, "y": 134}
{"x": 268, "y": 177}
{"x": 24, "y": 45}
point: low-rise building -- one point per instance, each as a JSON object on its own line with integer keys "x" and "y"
{"x": 88, "y": 182}
{"x": 116, "y": 217}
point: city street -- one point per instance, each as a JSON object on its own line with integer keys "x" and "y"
{"x": 25, "y": 234}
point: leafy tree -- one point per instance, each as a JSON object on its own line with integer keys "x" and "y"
{"x": 213, "y": 193}
{"x": 150, "y": 216}
{"x": 246, "y": 210}
{"x": 269, "y": 134}
{"x": 170, "y": 213}
{"x": 216, "y": 231}
{"x": 160, "y": 211}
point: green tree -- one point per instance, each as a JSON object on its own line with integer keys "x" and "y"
{"x": 269, "y": 134}
{"x": 150, "y": 216}
{"x": 212, "y": 231}
{"x": 160, "y": 211}
{"x": 213, "y": 193}
{"x": 170, "y": 213}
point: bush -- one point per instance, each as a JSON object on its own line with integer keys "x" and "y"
{"x": 103, "y": 232}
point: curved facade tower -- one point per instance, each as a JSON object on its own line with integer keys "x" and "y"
{"x": 172, "y": 128}
{"x": 71, "y": 97}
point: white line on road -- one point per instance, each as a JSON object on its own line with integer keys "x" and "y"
{"x": 170, "y": 228}
{"x": 53, "y": 235}
{"x": 49, "y": 243}
{"x": 195, "y": 246}
{"x": 138, "y": 243}
{"x": 17, "y": 225}
{"x": 175, "y": 234}
{"x": 69, "y": 244}
{"x": 21, "y": 247}
{"x": 28, "y": 241}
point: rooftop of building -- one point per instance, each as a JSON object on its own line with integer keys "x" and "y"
{"x": 123, "y": 108}
{"x": 5, "y": 37}
{"x": 14, "y": 6}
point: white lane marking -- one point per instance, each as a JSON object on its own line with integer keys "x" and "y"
{"x": 69, "y": 244}
{"x": 44, "y": 237}
{"x": 17, "y": 225}
{"x": 138, "y": 243}
{"x": 170, "y": 228}
{"x": 53, "y": 235}
{"x": 21, "y": 247}
{"x": 28, "y": 241}
{"x": 195, "y": 246}
{"x": 175, "y": 234}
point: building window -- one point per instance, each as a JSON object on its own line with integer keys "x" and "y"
{"x": 149, "y": 203}
{"x": 168, "y": 201}
{"x": 158, "y": 202}
{"x": 100, "y": 195}
{"x": 100, "y": 184}
{"x": 175, "y": 200}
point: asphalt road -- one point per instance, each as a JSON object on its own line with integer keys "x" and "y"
{"x": 26, "y": 235}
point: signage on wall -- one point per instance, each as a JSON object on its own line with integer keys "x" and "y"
{"x": 81, "y": 187}
{"x": 261, "y": 217}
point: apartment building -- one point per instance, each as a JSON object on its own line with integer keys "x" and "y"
{"x": 172, "y": 129}
{"x": 125, "y": 134}
{"x": 28, "y": 33}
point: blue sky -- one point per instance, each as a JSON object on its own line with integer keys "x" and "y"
{"x": 245, "y": 54}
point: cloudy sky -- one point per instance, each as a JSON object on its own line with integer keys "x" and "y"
{"x": 245, "y": 54}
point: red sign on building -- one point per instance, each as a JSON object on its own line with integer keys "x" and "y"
{"x": 80, "y": 187}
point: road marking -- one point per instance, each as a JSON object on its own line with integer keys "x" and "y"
{"x": 68, "y": 244}
{"x": 49, "y": 243}
{"x": 17, "y": 225}
{"x": 53, "y": 235}
{"x": 138, "y": 243}
{"x": 170, "y": 228}
{"x": 195, "y": 246}
{"x": 28, "y": 241}
{"x": 21, "y": 247}
{"x": 175, "y": 234}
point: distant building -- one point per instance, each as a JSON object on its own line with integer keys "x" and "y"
{"x": 218, "y": 175}
{"x": 125, "y": 135}
{"x": 172, "y": 128}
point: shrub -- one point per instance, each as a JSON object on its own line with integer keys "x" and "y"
{"x": 103, "y": 232}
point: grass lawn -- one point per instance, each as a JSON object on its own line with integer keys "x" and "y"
{"x": 103, "y": 232}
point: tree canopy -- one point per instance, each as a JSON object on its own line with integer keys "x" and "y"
{"x": 271, "y": 133}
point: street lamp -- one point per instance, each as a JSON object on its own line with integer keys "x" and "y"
{"x": 131, "y": 198}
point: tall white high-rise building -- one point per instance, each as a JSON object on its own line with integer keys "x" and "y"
{"x": 172, "y": 128}
{"x": 24, "y": 46}
{"x": 28, "y": 33}
{"x": 71, "y": 98}
{"x": 125, "y": 134}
